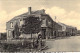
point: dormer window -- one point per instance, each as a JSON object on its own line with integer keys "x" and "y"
{"x": 11, "y": 24}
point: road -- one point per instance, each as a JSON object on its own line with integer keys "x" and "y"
{"x": 69, "y": 44}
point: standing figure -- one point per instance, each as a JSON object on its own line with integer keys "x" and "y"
{"x": 39, "y": 41}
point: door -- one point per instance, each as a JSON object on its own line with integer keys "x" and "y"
{"x": 13, "y": 34}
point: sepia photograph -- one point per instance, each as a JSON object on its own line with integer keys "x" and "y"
{"x": 40, "y": 26}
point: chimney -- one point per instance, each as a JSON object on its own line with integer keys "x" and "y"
{"x": 29, "y": 10}
{"x": 43, "y": 11}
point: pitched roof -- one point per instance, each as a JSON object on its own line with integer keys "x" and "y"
{"x": 25, "y": 15}
{"x": 62, "y": 24}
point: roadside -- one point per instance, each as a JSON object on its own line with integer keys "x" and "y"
{"x": 66, "y": 44}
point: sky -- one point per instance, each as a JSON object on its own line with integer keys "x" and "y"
{"x": 66, "y": 11}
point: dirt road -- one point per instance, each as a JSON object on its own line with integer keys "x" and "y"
{"x": 66, "y": 44}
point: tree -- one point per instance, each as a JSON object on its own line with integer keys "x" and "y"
{"x": 32, "y": 25}
{"x": 16, "y": 31}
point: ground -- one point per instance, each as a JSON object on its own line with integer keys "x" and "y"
{"x": 69, "y": 44}
{"x": 65, "y": 44}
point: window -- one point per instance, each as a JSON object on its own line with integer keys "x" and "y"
{"x": 20, "y": 19}
{"x": 49, "y": 23}
{"x": 21, "y": 22}
{"x": 11, "y": 24}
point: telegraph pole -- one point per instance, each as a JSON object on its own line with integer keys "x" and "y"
{"x": 55, "y": 18}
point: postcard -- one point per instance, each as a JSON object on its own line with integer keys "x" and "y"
{"x": 40, "y": 26}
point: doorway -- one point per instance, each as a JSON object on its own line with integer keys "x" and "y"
{"x": 13, "y": 34}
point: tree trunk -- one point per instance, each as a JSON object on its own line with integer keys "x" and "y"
{"x": 31, "y": 35}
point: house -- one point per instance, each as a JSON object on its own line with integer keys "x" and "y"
{"x": 0, "y": 35}
{"x": 46, "y": 26}
{"x": 56, "y": 28}
{"x": 72, "y": 30}
{"x": 67, "y": 30}
{"x": 78, "y": 31}
{"x": 49, "y": 28}
{"x": 60, "y": 29}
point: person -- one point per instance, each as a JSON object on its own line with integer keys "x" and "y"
{"x": 39, "y": 36}
{"x": 39, "y": 41}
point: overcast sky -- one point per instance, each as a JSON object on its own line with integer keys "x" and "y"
{"x": 66, "y": 11}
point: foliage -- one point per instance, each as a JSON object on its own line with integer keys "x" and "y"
{"x": 32, "y": 25}
{"x": 3, "y": 36}
{"x": 16, "y": 31}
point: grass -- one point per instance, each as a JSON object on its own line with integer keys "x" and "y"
{"x": 18, "y": 45}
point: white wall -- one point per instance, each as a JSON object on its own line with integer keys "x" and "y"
{"x": 28, "y": 36}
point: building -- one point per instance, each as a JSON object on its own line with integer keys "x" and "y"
{"x": 72, "y": 30}
{"x": 67, "y": 30}
{"x": 60, "y": 29}
{"x": 0, "y": 35}
{"x": 78, "y": 31}
{"x": 46, "y": 26}
{"x": 49, "y": 28}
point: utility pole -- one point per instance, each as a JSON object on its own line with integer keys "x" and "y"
{"x": 55, "y": 18}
